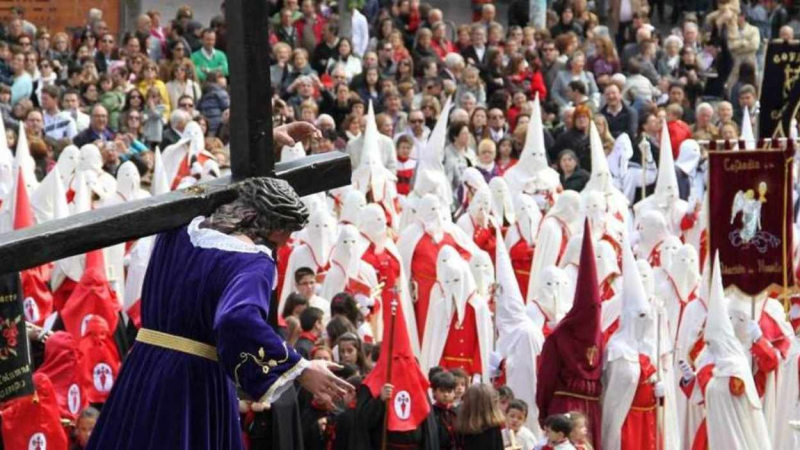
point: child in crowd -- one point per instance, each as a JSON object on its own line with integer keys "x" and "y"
{"x": 350, "y": 351}
{"x": 462, "y": 380}
{"x": 480, "y": 420}
{"x": 557, "y": 429}
{"x": 506, "y": 396}
{"x": 443, "y": 384}
{"x": 85, "y": 425}
{"x": 312, "y": 327}
{"x": 517, "y": 435}
{"x": 580, "y": 431}
{"x": 405, "y": 164}
{"x": 322, "y": 352}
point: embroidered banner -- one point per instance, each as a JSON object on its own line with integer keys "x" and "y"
{"x": 16, "y": 377}
{"x": 751, "y": 218}
{"x": 780, "y": 91}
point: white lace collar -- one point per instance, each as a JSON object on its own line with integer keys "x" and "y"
{"x": 208, "y": 238}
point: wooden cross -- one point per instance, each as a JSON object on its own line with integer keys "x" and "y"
{"x": 252, "y": 155}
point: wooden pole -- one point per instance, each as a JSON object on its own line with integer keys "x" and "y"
{"x": 389, "y": 370}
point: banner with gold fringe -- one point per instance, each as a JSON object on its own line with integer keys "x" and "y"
{"x": 750, "y": 202}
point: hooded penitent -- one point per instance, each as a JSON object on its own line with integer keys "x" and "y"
{"x": 734, "y": 418}
{"x": 352, "y": 205}
{"x": 348, "y": 272}
{"x": 666, "y": 198}
{"x": 532, "y": 174}
{"x": 560, "y": 223}
{"x": 519, "y": 340}
{"x": 371, "y": 177}
{"x": 66, "y": 272}
{"x": 160, "y": 183}
{"x": 521, "y": 239}
{"x": 571, "y": 362}
{"x": 502, "y": 205}
{"x": 552, "y": 302}
{"x": 91, "y": 166}
{"x": 314, "y": 251}
{"x": 601, "y": 179}
{"x": 33, "y": 422}
{"x": 460, "y": 335}
{"x": 382, "y": 254}
{"x": 43, "y": 198}
{"x": 62, "y": 361}
{"x": 629, "y": 400}
{"x": 652, "y": 228}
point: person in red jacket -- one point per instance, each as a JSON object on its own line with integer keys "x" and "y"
{"x": 310, "y": 26}
{"x": 679, "y": 130}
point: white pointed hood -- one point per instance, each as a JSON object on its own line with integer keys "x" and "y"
{"x": 371, "y": 176}
{"x": 572, "y": 254}
{"x": 600, "y": 180}
{"x": 652, "y": 229}
{"x": 483, "y": 271}
{"x": 347, "y": 251}
{"x": 42, "y": 199}
{"x": 684, "y": 271}
{"x": 373, "y": 225}
{"x": 594, "y": 208}
{"x": 91, "y": 165}
{"x": 669, "y": 248}
{"x": 60, "y": 206}
{"x": 320, "y": 234}
{"x": 689, "y": 157}
{"x": 606, "y": 259}
{"x": 532, "y": 167}
{"x": 552, "y": 294}
{"x": 352, "y": 205}
{"x": 747, "y": 135}
{"x": 160, "y": 183}
{"x": 667, "y": 182}
{"x": 457, "y": 284}
{"x": 6, "y": 172}
{"x": 567, "y": 208}
{"x": 730, "y": 358}
{"x": 636, "y": 318}
{"x": 129, "y": 181}
{"x": 480, "y": 208}
{"x": 82, "y": 201}
{"x": 528, "y": 216}
{"x": 430, "y": 216}
{"x": 502, "y": 205}
{"x": 430, "y": 177}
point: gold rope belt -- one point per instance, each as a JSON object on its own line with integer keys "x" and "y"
{"x": 644, "y": 409}
{"x": 582, "y": 397}
{"x": 177, "y": 343}
{"x": 457, "y": 359}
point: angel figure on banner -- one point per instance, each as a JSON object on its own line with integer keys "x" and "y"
{"x": 746, "y": 203}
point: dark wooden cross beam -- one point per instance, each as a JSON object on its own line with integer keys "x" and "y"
{"x": 252, "y": 155}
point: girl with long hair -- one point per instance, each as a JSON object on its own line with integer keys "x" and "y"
{"x": 480, "y": 420}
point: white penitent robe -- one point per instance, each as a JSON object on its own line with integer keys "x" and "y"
{"x": 688, "y": 346}
{"x": 734, "y": 422}
{"x": 788, "y": 408}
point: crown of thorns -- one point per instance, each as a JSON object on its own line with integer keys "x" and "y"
{"x": 276, "y": 201}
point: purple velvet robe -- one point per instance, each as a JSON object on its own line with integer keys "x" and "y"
{"x": 214, "y": 289}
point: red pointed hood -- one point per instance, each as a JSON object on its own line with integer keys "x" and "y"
{"x": 34, "y": 420}
{"x": 92, "y": 296}
{"x": 579, "y": 336}
{"x": 101, "y": 360}
{"x": 62, "y": 360}
{"x": 23, "y": 211}
{"x": 409, "y": 405}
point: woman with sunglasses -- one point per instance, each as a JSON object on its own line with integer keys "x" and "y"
{"x": 134, "y": 102}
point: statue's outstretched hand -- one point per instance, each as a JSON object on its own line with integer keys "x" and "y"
{"x": 320, "y": 381}
{"x": 289, "y": 134}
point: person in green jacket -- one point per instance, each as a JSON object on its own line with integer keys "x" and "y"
{"x": 112, "y": 99}
{"x": 208, "y": 59}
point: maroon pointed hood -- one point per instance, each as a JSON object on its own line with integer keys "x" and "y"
{"x": 579, "y": 336}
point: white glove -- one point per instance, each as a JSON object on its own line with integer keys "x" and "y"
{"x": 687, "y": 374}
{"x": 754, "y": 331}
{"x": 660, "y": 390}
{"x": 794, "y": 313}
{"x": 365, "y": 301}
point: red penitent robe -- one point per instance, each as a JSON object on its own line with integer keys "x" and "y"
{"x": 521, "y": 260}
{"x": 485, "y": 238}
{"x": 766, "y": 361}
{"x": 462, "y": 349}
{"x": 639, "y": 428}
{"x": 423, "y": 273}
{"x": 387, "y": 268}
{"x": 63, "y": 292}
